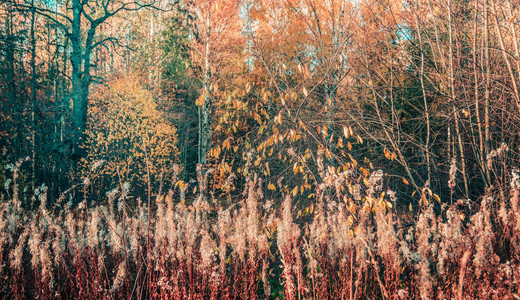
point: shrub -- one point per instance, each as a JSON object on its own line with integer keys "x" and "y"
{"x": 129, "y": 133}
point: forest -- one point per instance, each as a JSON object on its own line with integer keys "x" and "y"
{"x": 259, "y": 149}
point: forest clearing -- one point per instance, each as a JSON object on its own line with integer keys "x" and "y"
{"x": 259, "y": 149}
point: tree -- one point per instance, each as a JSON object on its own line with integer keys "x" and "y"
{"x": 180, "y": 87}
{"x": 80, "y": 22}
{"x": 216, "y": 28}
{"x": 128, "y": 132}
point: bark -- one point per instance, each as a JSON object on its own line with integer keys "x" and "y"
{"x": 487, "y": 134}
{"x": 80, "y": 62}
{"x": 33, "y": 97}
{"x": 12, "y": 90}
{"x": 205, "y": 112}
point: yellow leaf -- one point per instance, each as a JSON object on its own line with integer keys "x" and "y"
{"x": 405, "y": 181}
{"x": 200, "y": 101}
{"x": 346, "y": 131}
{"x": 216, "y": 152}
{"x": 366, "y": 172}
{"x": 393, "y": 156}
{"x": 340, "y": 143}
{"x": 327, "y": 154}
{"x": 437, "y": 198}
{"x": 295, "y": 191}
{"x": 226, "y": 144}
{"x": 423, "y": 200}
{"x": 324, "y": 131}
{"x": 181, "y": 184}
{"x": 387, "y": 154}
{"x": 278, "y": 118}
{"x": 257, "y": 118}
{"x": 305, "y": 92}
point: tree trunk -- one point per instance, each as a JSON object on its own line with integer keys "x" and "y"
{"x": 487, "y": 134}
{"x": 81, "y": 78}
{"x": 79, "y": 103}
{"x": 207, "y": 107}
{"x": 33, "y": 98}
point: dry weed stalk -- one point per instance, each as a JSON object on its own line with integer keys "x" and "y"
{"x": 352, "y": 247}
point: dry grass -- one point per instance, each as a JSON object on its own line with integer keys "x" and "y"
{"x": 252, "y": 251}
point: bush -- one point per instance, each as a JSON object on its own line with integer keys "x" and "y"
{"x": 127, "y": 132}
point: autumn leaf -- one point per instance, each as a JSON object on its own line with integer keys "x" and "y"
{"x": 295, "y": 191}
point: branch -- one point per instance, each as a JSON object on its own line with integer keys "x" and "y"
{"x": 128, "y": 6}
{"x": 46, "y": 13}
{"x": 115, "y": 42}
{"x": 101, "y": 42}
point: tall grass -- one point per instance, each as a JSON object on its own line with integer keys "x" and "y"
{"x": 249, "y": 250}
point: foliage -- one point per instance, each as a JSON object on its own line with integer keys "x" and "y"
{"x": 343, "y": 149}
{"x": 180, "y": 88}
{"x": 130, "y": 135}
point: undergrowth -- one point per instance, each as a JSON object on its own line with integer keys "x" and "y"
{"x": 170, "y": 249}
